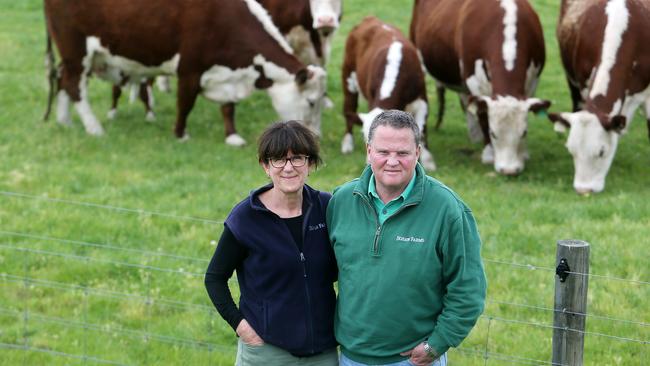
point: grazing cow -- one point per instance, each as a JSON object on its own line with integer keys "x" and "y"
{"x": 308, "y": 26}
{"x": 223, "y": 49}
{"x": 491, "y": 53}
{"x": 607, "y": 65}
{"x": 382, "y": 65}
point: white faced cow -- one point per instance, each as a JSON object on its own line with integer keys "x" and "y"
{"x": 384, "y": 67}
{"x": 492, "y": 53}
{"x": 221, "y": 49}
{"x": 308, "y": 26}
{"x": 607, "y": 63}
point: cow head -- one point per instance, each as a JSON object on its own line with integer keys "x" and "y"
{"x": 592, "y": 143}
{"x": 505, "y": 119}
{"x": 326, "y": 14}
{"x": 301, "y": 98}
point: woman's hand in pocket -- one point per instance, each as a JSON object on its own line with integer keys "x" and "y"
{"x": 248, "y": 334}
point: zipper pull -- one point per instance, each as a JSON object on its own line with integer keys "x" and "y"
{"x": 304, "y": 270}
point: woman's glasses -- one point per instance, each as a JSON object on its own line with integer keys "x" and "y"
{"x": 296, "y": 160}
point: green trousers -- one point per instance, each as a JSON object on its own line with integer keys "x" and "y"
{"x": 268, "y": 355}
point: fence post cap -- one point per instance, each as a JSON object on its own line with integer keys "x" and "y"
{"x": 573, "y": 243}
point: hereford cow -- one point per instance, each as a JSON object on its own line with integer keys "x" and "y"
{"x": 308, "y": 26}
{"x": 384, "y": 67}
{"x": 491, "y": 53}
{"x": 222, "y": 49}
{"x": 607, "y": 65}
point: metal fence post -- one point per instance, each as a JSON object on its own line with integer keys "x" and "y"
{"x": 571, "y": 285}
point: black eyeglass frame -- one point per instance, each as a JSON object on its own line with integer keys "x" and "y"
{"x": 297, "y": 161}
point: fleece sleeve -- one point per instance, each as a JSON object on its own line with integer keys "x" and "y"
{"x": 227, "y": 257}
{"x": 464, "y": 276}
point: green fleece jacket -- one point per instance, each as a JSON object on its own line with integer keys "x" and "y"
{"x": 418, "y": 276}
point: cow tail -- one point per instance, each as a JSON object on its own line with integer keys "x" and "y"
{"x": 52, "y": 74}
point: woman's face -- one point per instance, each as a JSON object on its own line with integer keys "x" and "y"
{"x": 285, "y": 175}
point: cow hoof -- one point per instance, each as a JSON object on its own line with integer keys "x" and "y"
{"x": 64, "y": 122}
{"x": 235, "y": 140}
{"x": 150, "y": 117}
{"x": 487, "y": 157}
{"x": 111, "y": 114}
{"x": 347, "y": 145}
{"x": 185, "y": 138}
{"x": 95, "y": 130}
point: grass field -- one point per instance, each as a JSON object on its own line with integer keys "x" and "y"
{"x": 84, "y": 281}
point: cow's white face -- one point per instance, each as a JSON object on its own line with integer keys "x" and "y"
{"x": 326, "y": 14}
{"x": 508, "y": 125}
{"x": 303, "y": 101}
{"x": 593, "y": 149}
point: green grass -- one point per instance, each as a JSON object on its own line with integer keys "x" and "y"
{"x": 141, "y": 166}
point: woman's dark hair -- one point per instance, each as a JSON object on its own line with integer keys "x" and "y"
{"x": 280, "y": 137}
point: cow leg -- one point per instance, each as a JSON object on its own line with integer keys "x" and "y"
{"x": 228, "y": 113}
{"x": 474, "y": 131}
{"x": 63, "y": 108}
{"x": 117, "y": 92}
{"x": 487, "y": 156}
{"x": 350, "y": 104}
{"x": 188, "y": 90}
{"x": 440, "y": 92}
{"x": 162, "y": 82}
{"x": 576, "y": 97}
{"x": 146, "y": 96}
{"x": 420, "y": 111}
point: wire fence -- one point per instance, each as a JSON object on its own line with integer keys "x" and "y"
{"x": 188, "y": 271}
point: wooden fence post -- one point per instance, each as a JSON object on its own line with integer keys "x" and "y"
{"x": 570, "y": 302}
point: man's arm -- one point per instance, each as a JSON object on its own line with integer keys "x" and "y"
{"x": 464, "y": 277}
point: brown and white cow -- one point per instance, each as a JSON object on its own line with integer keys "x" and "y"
{"x": 607, "y": 63}
{"x": 221, "y": 49}
{"x": 384, "y": 67}
{"x": 308, "y": 26}
{"x": 491, "y": 53}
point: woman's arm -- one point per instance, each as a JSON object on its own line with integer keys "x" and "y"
{"x": 227, "y": 257}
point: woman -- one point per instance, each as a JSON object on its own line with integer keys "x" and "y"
{"x": 277, "y": 241}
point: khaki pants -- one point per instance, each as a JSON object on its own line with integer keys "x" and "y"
{"x": 268, "y": 355}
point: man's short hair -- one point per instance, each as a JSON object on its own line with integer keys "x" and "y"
{"x": 396, "y": 119}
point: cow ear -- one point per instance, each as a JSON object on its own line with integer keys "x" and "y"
{"x": 560, "y": 123}
{"x": 477, "y": 105}
{"x": 262, "y": 81}
{"x": 538, "y": 106}
{"x": 617, "y": 123}
{"x": 301, "y": 76}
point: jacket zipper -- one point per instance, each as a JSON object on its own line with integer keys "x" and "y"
{"x": 303, "y": 261}
{"x": 375, "y": 243}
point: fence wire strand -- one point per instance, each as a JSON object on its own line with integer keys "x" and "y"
{"x": 103, "y": 246}
{"x": 59, "y": 353}
{"x": 109, "y": 207}
{"x": 85, "y": 258}
{"x": 108, "y": 328}
{"x": 507, "y": 358}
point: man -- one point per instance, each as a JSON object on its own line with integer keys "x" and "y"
{"x": 411, "y": 280}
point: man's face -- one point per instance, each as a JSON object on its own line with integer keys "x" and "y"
{"x": 392, "y": 155}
